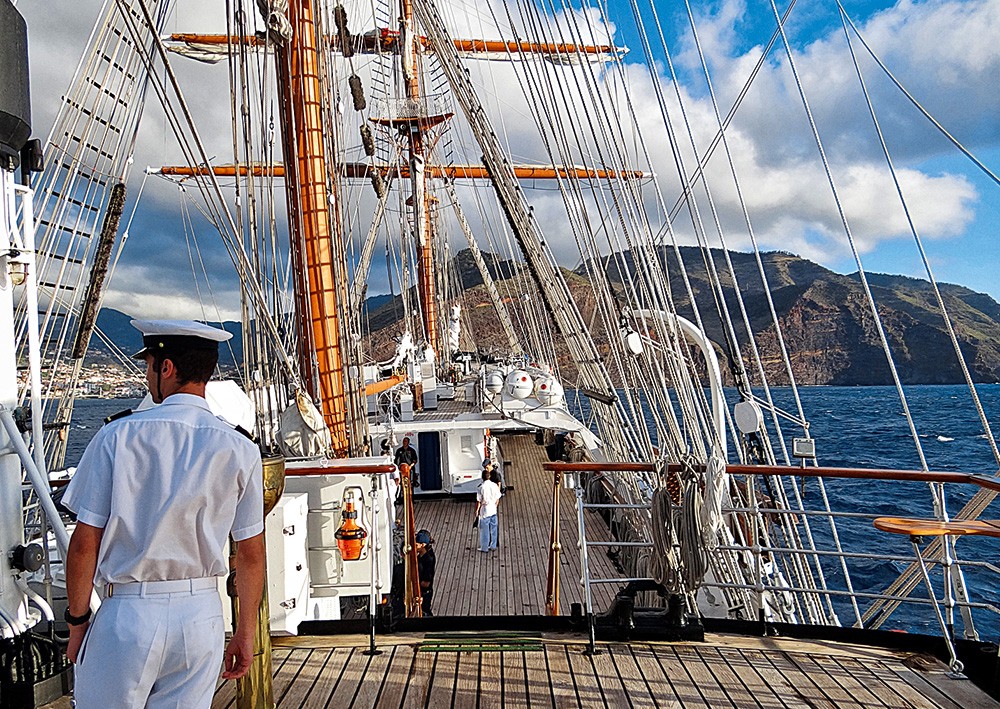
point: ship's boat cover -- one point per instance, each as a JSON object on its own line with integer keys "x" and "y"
{"x": 302, "y": 433}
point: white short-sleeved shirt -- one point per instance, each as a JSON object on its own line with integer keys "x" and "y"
{"x": 489, "y": 495}
{"x": 168, "y": 486}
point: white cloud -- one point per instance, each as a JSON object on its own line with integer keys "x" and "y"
{"x": 784, "y": 187}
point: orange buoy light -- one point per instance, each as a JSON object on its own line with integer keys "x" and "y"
{"x": 350, "y": 537}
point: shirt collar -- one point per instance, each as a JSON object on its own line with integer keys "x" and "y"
{"x": 186, "y": 400}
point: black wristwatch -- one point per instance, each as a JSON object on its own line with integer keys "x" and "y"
{"x": 76, "y": 619}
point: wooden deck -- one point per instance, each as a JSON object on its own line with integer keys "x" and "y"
{"x": 552, "y": 671}
{"x": 511, "y": 580}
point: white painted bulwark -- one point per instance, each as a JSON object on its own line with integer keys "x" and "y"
{"x": 330, "y": 576}
{"x": 287, "y": 563}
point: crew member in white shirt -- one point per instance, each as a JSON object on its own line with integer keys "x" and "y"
{"x": 486, "y": 509}
{"x": 157, "y": 494}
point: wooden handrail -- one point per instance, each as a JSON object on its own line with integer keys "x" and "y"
{"x": 361, "y": 468}
{"x": 812, "y": 472}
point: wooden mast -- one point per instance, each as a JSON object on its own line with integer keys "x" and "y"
{"x": 422, "y": 225}
{"x": 312, "y": 210}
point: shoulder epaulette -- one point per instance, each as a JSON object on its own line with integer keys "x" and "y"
{"x": 119, "y": 415}
{"x": 240, "y": 429}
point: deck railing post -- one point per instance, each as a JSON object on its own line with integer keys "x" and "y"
{"x": 954, "y": 663}
{"x": 555, "y": 547}
{"x": 757, "y": 551}
{"x": 376, "y": 583}
{"x": 585, "y": 565}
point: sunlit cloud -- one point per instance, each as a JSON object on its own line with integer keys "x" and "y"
{"x": 783, "y": 186}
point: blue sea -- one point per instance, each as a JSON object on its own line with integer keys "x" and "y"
{"x": 853, "y": 427}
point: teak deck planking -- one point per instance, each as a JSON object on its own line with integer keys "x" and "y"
{"x": 511, "y": 580}
{"x": 723, "y": 671}
{"x": 482, "y": 671}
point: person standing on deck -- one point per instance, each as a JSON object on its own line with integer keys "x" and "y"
{"x": 156, "y": 495}
{"x": 405, "y": 454}
{"x": 487, "y": 498}
{"x": 425, "y": 569}
{"x": 395, "y": 493}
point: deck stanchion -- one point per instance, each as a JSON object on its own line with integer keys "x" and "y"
{"x": 584, "y": 567}
{"x": 758, "y": 558}
{"x": 376, "y": 583}
{"x": 555, "y": 547}
{"x": 955, "y": 664}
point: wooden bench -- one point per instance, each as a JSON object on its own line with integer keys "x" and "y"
{"x": 915, "y": 529}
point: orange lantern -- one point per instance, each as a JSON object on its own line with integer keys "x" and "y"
{"x": 350, "y": 537}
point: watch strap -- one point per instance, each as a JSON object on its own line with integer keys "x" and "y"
{"x": 76, "y": 619}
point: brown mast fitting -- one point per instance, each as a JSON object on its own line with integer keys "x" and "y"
{"x": 296, "y": 236}
{"x": 555, "y": 549}
{"x": 454, "y": 172}
{"x": 305, "y": 163}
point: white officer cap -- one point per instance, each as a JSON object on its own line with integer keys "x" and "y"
{"x": 177, "y": 335}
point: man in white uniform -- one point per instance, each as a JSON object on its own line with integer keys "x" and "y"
{"x": 156, "y": 495}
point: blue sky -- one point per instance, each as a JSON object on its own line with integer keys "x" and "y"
{"x": 945, "y": 51}
{"x": 968, "y": 255}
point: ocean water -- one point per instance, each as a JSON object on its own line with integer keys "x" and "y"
{"x": 866, "y": 427}
{"x": 88, "y": 417}
{"x": 853, "y": 427}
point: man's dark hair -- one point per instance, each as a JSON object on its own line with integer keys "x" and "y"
{"x": 194, "y": 365}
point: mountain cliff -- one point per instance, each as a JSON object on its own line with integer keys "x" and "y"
{"x": 823, "y": 317}
{"x": 116, "y": 327}
{"x": 827, "y": 325}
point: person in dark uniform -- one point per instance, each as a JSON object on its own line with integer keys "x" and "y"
{"x": 406, "y": 454}
{"x": 425, "y": 568}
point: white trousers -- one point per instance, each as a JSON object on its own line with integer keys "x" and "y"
{"x": 162, "y": 651}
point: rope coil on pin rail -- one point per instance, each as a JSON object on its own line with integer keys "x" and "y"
{"x": 690, "y": 526}
{"x": 680, "y": 560}
{"x": 665, "y": 561}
